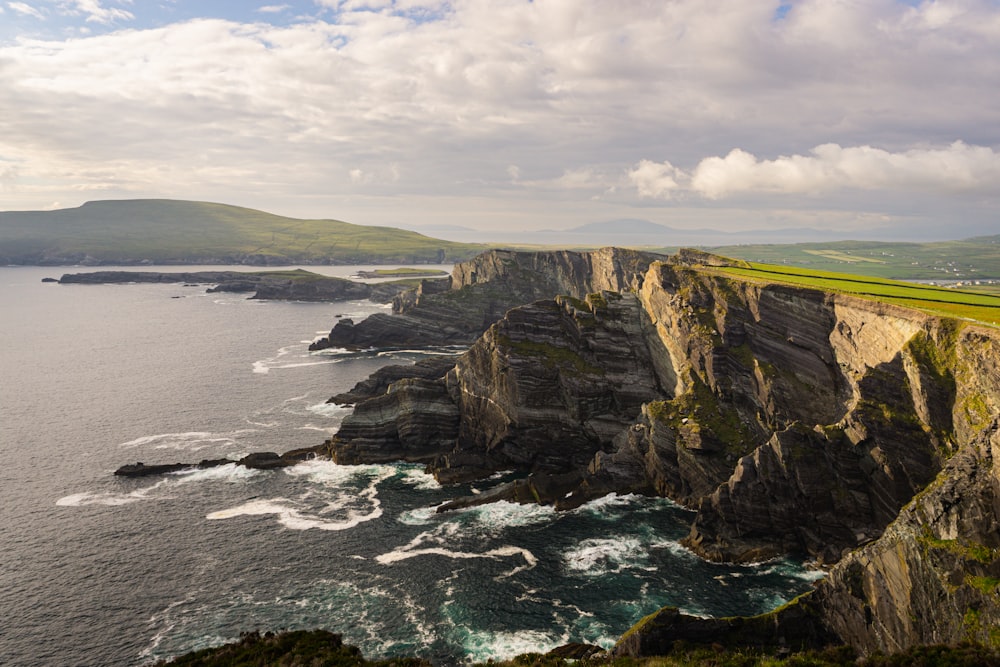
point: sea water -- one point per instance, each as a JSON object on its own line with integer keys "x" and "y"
{"x": 101, "y": 570}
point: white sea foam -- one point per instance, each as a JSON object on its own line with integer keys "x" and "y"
{"x": 439, "y": 537}
{"x": 419, "y": 516}
{"x": 331, "y": 410}
{"x": 598, "y": 556}
{"x": 611, "y": 501}
{"x": 505, "y": 514}
{"x": 267, "y": 365}
{"x": 229, "y": 472}
{"x": 500, "y": 552}
{"x": 293, "y": 518}
{"x": 788, "y": 568}
{"x": 337, "y": 505}
{"x": 418, "y": 479}
{"x": 187, "y": 441}
{"x": 483, "y": 645}
{"x": 110, "y": 499}
{"x": 80, "y": 499}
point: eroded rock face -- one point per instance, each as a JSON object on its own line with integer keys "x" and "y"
{"x": 483, "y": 289}
{"x": 543, "y": 390}
{"x": 791, "y": 419}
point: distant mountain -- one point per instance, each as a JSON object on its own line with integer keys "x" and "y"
{"x": 167, "y": 231}
{"x": 623, "y": 226}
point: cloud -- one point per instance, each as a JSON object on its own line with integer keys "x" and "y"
{"x": 586, "y": 98}
{"x": 25, "y": 9}
{"x": 273, "y": 9}
{"x": 655, "y": 179}
{"x": 97, "y": 13}
{"x": 954, "y": 169}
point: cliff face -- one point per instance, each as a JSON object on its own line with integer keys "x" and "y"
{"x": 486, "y": 287}
{"x": 791, "y": 419}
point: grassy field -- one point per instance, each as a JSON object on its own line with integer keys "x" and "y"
{"x": 970, "y": 260}
{"x": 964, "y": 304}
{"x": 171, "y": 231}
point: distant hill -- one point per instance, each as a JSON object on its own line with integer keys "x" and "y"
{"x": 626, "y": 226}
{"x": 969, "y": 260}
{"x": 166, "y": 231}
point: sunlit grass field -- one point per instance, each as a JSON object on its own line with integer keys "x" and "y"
{"x": 945, "y": 261}
{"x": 980, "y": 306}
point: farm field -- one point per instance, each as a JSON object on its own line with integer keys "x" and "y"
{"x": 975, "y": 305}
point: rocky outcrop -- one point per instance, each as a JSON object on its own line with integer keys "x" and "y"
{"x": 793, "y": 420}
{"x": 256, "y": 460}
{"x": 297, "y": 285}
{"x": 483, "y": 289}
{"x": 543, "y": 391}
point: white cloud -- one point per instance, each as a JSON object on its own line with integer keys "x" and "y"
{"x": 273, "y": 9}
{"x": 655, "y": 179}
{"x": 582, "y": 96}
{"x": 955, "y": 168}
{"x": 97, "y": 13}
{"x": 25, "y": 9}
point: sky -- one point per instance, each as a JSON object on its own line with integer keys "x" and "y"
{"x": 863, "y": 118}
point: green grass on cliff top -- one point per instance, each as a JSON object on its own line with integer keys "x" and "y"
{"x": 948, "y": 302}
{"x": 965, "y": 260}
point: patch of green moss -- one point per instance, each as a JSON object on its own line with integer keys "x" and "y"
{"x": 979, "y": 553}
{"x": 597, "y": 300}
{"x": 551, "y": 356}
{"x": 661, "y": 411}
{"x": 986, "y": 585}
{"x": 299, "y": 647}
{"x": 976, "y": 410}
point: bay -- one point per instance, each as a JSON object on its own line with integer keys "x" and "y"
{"x": 98, "y": 570}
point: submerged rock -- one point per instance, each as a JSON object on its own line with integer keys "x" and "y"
{"x": 142, "y": 470}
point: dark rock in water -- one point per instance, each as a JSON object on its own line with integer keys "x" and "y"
{"x": 269, "y": 460}
{"x": 142, "y": 470}
{"x": 49, "y": 280}
{"x": 575, "y": 651}
{"x": 258, "y": 460}
{"x": 295, "y": 285}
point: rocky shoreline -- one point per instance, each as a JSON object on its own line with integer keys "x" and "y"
{"x": 794, "y": 421}
{"x": 297, "y": 285}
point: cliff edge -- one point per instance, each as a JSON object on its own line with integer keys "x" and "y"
{"x": 794, "y": 420}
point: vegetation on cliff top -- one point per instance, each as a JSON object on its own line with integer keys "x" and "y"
{"x": 322, "y": 648}
{"x": 940, "y": 301}
{"x": 965, "y": 260}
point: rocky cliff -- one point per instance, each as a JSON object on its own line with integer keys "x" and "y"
{"x": 482, "y": 290}
{"x": 793, "y": 420}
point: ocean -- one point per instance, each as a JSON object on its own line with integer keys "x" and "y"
{"x": 101, "y": 570}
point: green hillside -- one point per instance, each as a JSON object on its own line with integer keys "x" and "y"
{"x": 968, "y": 260}
{"x": 962, "y": 304}
{"x": 164, "y": 231}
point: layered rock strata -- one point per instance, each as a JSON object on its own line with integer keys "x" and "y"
{"x": 482, "y": 290}
{"x": 793, "y": 420}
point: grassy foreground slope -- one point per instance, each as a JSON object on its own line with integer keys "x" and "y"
{"x": 969, "y": 259}
{"x": 165, "y": 231}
